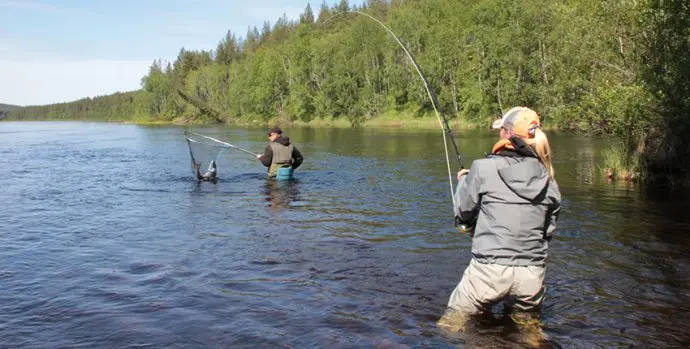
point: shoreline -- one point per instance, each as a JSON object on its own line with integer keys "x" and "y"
{"x": 611, "y": 167}
{"x": 421, "y": 123}
{"x": 386, "y": 121}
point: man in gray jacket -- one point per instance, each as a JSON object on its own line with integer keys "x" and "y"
{"x": 512, "y": 200}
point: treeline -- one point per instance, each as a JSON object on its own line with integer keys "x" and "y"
{"x": 5, "y": 110}
{"x": 611, "y": 66}
{"x": 115, "y": 107}
{"x": 571, "y": 61}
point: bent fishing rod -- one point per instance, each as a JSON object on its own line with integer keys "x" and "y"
{"x": 443, "y": 121}
{"x": 224, "y": 143}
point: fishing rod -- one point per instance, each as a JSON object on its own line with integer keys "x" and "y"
{"x": 224, "y": 143}
{"x": 443, "y": 121}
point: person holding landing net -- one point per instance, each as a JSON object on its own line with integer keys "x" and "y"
{"x": 280, "y": 156}
{"x": 512, "y": 200}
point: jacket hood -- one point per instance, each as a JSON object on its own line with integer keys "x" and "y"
{"x": 283, "y": 140}
{"x": 527, "y": 178}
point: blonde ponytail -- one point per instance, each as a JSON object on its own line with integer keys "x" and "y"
{"x": 543, "y": 150}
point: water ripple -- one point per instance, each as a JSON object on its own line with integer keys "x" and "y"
{"x": 109, "y": 242}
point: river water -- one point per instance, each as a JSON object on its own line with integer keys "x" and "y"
{"x": 107, "y": 241}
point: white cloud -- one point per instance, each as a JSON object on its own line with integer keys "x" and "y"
{"x": 13, "y": 49}
{"x": 7, "y": 45}
{"x": 45, "y": 82}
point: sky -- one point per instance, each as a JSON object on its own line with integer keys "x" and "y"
{"x": 55, "y": 51}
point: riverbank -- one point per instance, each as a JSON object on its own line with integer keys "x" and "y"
{"x": 426, "y": 122}
{"x": 387, "y": 120}
{"x": 612, "y": 164}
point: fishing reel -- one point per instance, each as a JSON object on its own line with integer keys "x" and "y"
{"x": 463, "y": 228}
{"x": 460, "y": 225}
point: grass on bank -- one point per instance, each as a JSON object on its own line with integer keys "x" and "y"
{"x": 407, "y": 118}
{"x": 391, "y": 119}
{"x": 617, "y": 166}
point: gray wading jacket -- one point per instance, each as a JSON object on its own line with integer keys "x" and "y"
{"x": 514, "y": 206}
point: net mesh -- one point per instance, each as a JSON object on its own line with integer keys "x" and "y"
{"x": 202, "y": 151}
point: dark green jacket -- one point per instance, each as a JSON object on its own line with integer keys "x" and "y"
{"x": 281, "y": 153}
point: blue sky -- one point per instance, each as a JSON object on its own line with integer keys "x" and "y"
{"x": 62, "y": 50}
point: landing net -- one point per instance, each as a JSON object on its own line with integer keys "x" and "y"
{"x": 202, "y": 150}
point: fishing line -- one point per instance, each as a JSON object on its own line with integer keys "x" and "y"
{"x": 441, "y": 119}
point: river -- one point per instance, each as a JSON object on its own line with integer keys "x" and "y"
{"x": 108, "y": 241}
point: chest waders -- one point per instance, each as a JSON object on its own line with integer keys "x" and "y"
{"x": 281, "y": 164}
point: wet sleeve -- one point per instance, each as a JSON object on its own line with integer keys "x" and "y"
{"x": 297, "y": 158}
{"x": 468, "y": 195}
{"x": 554, "y": 211}
{"x": 267, "y": 156}
{"x": 551, "y": 226}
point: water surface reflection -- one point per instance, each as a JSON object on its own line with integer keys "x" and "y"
{"x": 358, "y": 251}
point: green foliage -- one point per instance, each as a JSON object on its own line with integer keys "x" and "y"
{"x": 8, "y": 107}
{"x": 228, "y": 50}
{"x": 5, "y": 110}
{"x": 618, "y": 67}
{"x": 618, "y": 164}
{"x": 120, "y": 106}
{"x": 308, "y": 16}
{"x": 665, "y": 72}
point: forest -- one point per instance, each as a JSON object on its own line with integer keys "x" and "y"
{"x": 5, "y": 109}
{"x": 614, "y": 67}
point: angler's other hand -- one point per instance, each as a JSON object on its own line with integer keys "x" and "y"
{"x": 258, "y": 156}
{"x": 463, "y": 172}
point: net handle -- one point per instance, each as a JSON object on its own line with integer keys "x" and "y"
{"x": 191, "y": 154}
{"x": 224, "y": 143}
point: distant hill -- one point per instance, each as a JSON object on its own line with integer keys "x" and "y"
{"x": 8, "y": 107}
{"x": 5, "y": 109}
